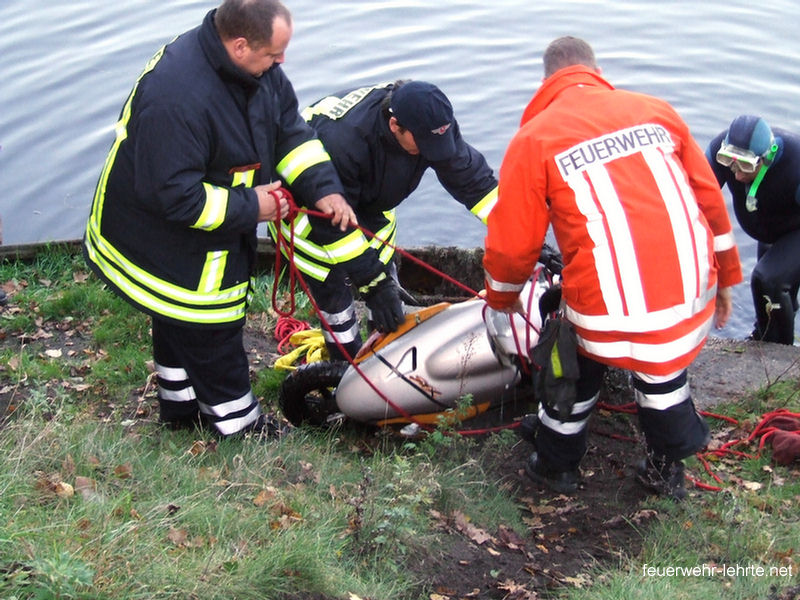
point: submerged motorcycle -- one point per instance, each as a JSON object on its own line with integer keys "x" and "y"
{"x": 447, "y": 359}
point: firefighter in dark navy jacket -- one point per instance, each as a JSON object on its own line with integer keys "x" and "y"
{"x": 761, "y": 167}
{"x": 382, "y": 138}
{"x": 205, "y": 141}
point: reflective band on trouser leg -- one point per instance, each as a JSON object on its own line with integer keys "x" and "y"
{"x": 335, "y": 301}
{"x": 177, "y": 400}
{"x": 217, "y": 366}
{"x": 562, "y": 444}
{"x": 667, "y": 415}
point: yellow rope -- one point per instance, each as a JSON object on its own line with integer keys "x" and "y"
{"x": 309, "y": 343}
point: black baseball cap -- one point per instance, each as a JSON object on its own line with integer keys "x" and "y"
{"x": 425, "y": 111}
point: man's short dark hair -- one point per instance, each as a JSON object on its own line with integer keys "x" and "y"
{"x": 565, "y": 52}
{"x": 250, "y": 19}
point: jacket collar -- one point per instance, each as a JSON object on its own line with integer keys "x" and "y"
{"x": 576, "y": 75}
{"x": 218, "y": 57}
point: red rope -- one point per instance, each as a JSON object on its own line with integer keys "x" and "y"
{"x": 285, "y": 328}
{"x": 280, "y": 243}
{"x": 289, "y": 326}
{"x": 763, "y": 431}
{"x": 294, "y": 275}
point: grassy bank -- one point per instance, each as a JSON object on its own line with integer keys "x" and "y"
{"x": 97, "y": 500}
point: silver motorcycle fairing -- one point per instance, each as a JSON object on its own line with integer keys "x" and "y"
{"x": 440, "y": 360}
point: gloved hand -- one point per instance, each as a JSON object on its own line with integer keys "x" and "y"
{"x": 551, "y": 259}
{"x": 382, "y": 296}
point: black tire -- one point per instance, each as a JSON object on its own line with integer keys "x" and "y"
{"x": 308, "y": 394}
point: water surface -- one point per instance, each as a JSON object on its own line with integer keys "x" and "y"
{"x": 68, "y": 67}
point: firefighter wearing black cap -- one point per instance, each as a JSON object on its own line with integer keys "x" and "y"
{"x": 761, "y": 167}
{"x": 382, "y": 138}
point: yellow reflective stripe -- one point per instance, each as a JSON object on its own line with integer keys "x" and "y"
{"x": 387, "y": 232}
{"x": 215, "y": 207}
{"x": 555, "y": 362}
{"x": 320, "y": 108}
{"x": 307, "y": 267}
{"x": 301, "y": 158}
{"x": 162, "y": 287}
{"x": 335, "y": 108}
{"x": 388, "y": 250}
{"x": 302, "y": 246}
{"x": 347, "y": 248}
{"x": 213, "y": 270}
{"x": 301, "y": 225}
{"x": 245, "y": 178}
{"x": 485, "y": 206}
{"x": 121, "y": 133}
{"x": 160, "y": 306}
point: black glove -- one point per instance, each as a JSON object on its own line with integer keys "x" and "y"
{"x": 382, "y": 296}
{"x": 551, "y": 259}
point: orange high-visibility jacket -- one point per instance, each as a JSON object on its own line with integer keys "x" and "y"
{"x": 636, "y": 212}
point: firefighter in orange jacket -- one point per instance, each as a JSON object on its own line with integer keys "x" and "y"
{"x": 649, "y": 255}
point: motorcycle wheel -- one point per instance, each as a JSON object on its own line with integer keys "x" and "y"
{"x": 308, "y": 394}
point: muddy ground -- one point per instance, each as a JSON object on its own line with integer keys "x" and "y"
{"x": 566, "y": 536}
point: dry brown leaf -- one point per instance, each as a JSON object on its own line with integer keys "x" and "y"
{"x": 477, "y": 535}
{"x": 515, "y": 591}
{"x": 86, "y": 487}
{"x": 265, "y": 496}
{"x": 753, "y": 486}
{"x": 179, "y": 537}
{"x": 198, "y": 448}
{"x": 64, "y": 490}
{"x": 80, "y": 276}
{"x": 510, "y": 538}
{"x": 581, "y": 580}
{"x": 124, "y": 471}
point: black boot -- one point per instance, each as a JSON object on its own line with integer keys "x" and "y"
{"x": 528, "y": 426}
{"x": 663, "y": 476}
{"x": 564, "y": 482}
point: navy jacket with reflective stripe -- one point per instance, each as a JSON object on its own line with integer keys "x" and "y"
{"x": 378, "y": 174}
{"x": 194, "y": 125}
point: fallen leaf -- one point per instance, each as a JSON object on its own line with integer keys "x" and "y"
{"x": 753, "y": 486}
{"x": 579, "y": 581}
{"x": 178, "y": 537}
{"x": 265, "y": 496}
{"x": 86, "y": 487}
{"x": 124, "y": 471}
{"x": 477, "y": 535}
{"x": 53, "y": 353}
{"x": 64, "y": 490}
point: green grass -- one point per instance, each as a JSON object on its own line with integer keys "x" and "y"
{"x": 155, "y": 514}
